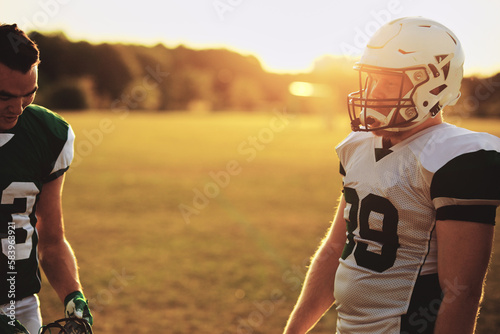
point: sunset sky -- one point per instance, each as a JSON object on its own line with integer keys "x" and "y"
{"x": 286, "y": 35}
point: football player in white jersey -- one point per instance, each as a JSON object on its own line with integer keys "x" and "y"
{"x": 410, "y": 245}
{"x": 36, "y": 149}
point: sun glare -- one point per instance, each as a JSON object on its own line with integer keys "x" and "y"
{"x": 300, "y": 88}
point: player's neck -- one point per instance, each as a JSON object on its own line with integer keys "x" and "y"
{"x": 390, "y": 139}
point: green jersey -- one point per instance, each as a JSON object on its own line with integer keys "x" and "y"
{"x": 35, "y": 151}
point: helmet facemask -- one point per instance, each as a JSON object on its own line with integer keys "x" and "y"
{"x": 396, "y": 112}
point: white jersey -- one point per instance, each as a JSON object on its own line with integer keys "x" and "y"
{"x": 388, "y": 269}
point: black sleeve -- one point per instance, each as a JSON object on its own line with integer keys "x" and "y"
{"x": 468, "y": 187}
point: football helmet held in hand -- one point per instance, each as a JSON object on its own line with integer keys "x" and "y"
{"x": 67, "y": 326}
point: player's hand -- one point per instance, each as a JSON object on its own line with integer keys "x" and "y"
{"x": 75, "y": 305}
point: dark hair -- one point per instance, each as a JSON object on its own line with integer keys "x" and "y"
{"x": 17, "y": 50}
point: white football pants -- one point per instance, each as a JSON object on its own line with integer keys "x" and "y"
{"x": 27, "y": 312}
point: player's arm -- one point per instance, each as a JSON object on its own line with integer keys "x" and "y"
{"x": 55, "y": 253}
{"x": 317, "y": 293}
{"x": 464, "y": 250}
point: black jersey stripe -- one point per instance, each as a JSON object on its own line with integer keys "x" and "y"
{"x": 472, "y": 213}
{"x": 342, "y": 170}
{"x": 474, "y": 175}
{"x": 424, "y": 306}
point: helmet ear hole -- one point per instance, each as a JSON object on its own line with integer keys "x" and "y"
{"x": 438, "y": 89}
{"x": 434, "y": 110}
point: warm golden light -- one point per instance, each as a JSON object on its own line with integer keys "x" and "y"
{"x": 300, "y": 88}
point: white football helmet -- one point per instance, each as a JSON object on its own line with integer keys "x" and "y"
{"x": 425, "y": 51}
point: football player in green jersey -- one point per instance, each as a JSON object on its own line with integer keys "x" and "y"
{"x": 410, "y": 245}
{"x": 36, "y": 149}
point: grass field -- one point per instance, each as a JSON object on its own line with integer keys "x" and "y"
{"x": 189, "y": 223}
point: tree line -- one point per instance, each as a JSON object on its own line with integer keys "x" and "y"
{"x": 80, "y": 75}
